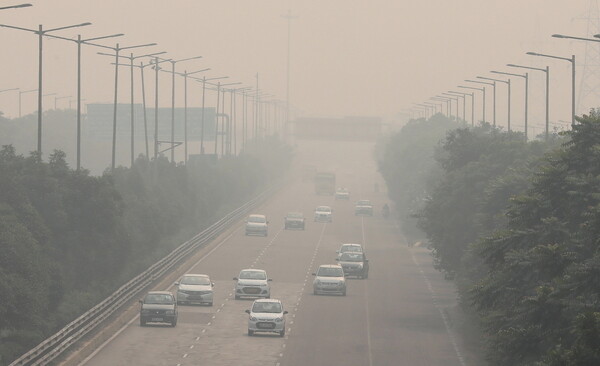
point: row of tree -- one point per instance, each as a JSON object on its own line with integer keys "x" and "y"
{"x": 68, "y": 239}
{"x": 517, "y": 222}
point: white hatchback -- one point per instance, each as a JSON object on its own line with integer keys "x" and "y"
{"x": 195, "y": 288}
{"x": 266, "y": 315}
{"x": 323, "y": 214}
{"x": 252, "y": 283}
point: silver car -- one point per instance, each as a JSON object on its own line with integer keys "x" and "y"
{"x": 257, "y": 225}
{"x": 323, "y": 214}
{"x": 266, "y": 315}
{"x": 252, "y": 283}
{"x": 195, "y": 288}
{"x": 329, "y": 279}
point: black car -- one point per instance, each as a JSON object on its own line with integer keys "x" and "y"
{"x": 158, "y": 307}
{"x": 354, "y": 264}
{"x": 294, "y": 220}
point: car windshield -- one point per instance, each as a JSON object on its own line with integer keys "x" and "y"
{"x": 195, "y": 280}
{"x": 351, "y": 248}
{"x": 351, "y": 257}
{"x": 330, "y": 272}
{"x": 253, "y": 275}
{"x": 258, "y": 219}
{"x": 158, "y": 299}
{"x": 294, "y": 215}
{"x": 324, "y": 209}
{"x": 266, "y": 307}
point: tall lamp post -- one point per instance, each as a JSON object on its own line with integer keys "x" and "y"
{"x": 117, "y": 49}
{"x": 428, "y": 114}
{"x": 547, "y": 71}
{"x": 493, "y": 84}
{"x": 572, "y": 61}
{"x": 464, "y": 101}
{"x": 434, "y": 107}
{"x": 482, "y": 99}
{"x": 185, "y": 108}
{"x": 448, "y": 104}
{"x": 41, "y": 32}
{"x": 526, "y": 77}
{"x": 131, "y": 59}
{"x": 454, "y": 98}
{"x": 464, "y": 98}
{"x": 204, "y": 80}
{"x": 507, "y": 82}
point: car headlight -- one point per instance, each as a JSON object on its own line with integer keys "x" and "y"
{"x": 170, "y": 312}
{"x": 253, "y": 319}
{"x": 278, "y": 320}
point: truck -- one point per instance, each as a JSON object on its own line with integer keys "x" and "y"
{"x": 325, "y": 183}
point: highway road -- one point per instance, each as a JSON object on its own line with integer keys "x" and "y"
{"x": 395, "y": 317}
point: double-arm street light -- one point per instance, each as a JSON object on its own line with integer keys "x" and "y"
{"x": 117, "y": 49}
{"x": 493, "y": 84}
{"x": 483, "y": 99}
{"x": 41, "y": 32}
{"x": 547, "y": 71}
{"x": 79, "y": 42}
{"x": 572, "y": 61}
{"x": 507, "y": 82}
{"x": 204, "y": 80}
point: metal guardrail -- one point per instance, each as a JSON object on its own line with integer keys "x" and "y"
{"x": 55, "y": 345}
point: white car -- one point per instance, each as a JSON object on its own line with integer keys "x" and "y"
{"x": 266, "y": 315}
{"x": 323, "y": 214}
{"x": 342, "y": 194}
{"x": 363, "y": 208}
{"x": 257, "y": 225}
{"x": 252, "y": 283}
{"x": 195, "y": 288}
{"x": 349, "y": 248}
{"x": 329, "y": 280}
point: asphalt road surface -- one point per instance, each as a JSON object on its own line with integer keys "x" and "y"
{"x": 395, "y": 317}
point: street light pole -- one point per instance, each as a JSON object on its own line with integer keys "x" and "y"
{"x": 464, "y": 97}
{"x": 507, "y": 82}
{"x": 185, "y": 116}
{"x": 572, "y": 61}
{"x": 483, "y": 99}
{"x": 204, "y": 80}
{"x": 526, "y": 77}
{"x": 547, "y": 71}
{"x": 494, "y": 98}
{"x": 41, "y": 33}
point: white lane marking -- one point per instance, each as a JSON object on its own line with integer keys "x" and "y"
{"x": 198, "y": 338}
{"x": 185, "y": 355}
{"x": 192, "y": 346}
{"x": 203, "y": 331}
{"x": 441, "y": 311}
{"x": 369, "y": 345}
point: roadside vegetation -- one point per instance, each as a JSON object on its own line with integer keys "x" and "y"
{"x": 68, "y": 239}
{"x": 518, "y": 224}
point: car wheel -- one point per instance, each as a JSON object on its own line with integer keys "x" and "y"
{"x": 250, "y": 332}
{"x": 210, "y": 304}
{"x": 282, "y": 333}
{"x": 315, "y": 292}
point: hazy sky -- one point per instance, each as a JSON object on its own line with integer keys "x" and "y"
{"x": 349, "y": 57}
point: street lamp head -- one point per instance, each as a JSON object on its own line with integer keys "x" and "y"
{"x": 533, "y": 53}
{"x": 22, "y": 6}
{"x": 596, "y": 35}
{"x": 558, "y": 36}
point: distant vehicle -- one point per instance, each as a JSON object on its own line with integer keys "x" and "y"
{"x": 354, "y": 264}
{"x": 323, "y": 214}
{"x": 385, "y": 211}
{"x": 257, "y": 225}
{"x": 329, "y": 279}
{"x": 266, "y": 315}
{"x": 195, "y": 288}
{"x": 252, "y": 283}
{"x": 325, "y": 183}
{"x": 363, "y": 208}
{"x": 349, "y": 248}
{"x": 342, "y": 194}
{"x": 158, "y": 307}
{"x": 294, "y": 220}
